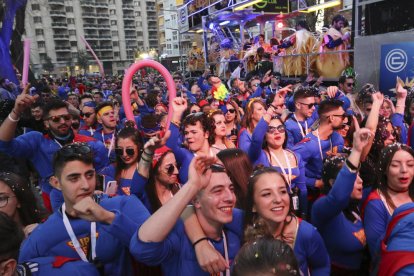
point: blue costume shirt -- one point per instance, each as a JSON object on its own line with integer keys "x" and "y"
{"x": 308, "y": 149}
{"x": 345, "y": 240}
{"x": 52, "y": 239}
{"x": 176, "y": 253}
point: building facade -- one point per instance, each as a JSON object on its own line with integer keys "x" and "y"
{"x": 115, "y": 29}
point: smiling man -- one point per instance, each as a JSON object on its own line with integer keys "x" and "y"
{"x": 93, "y": 229}
{"x": 161, "y": 239}
{"x": 105, "y": 116}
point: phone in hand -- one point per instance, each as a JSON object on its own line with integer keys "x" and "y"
{"x": 111, "y": 188}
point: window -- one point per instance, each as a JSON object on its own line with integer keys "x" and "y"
{"x": 35, "y": 7}
{"x": 71, "y": 21}
{"x": 69, "y": 9}
{"x": 137, "y": 13}
{"x": 39, "y": 32}
{"x": 116, "y": 54}
{"x": 41, "y": 44}
{"x": 114, "y": 33}
{"x": 168, "y": 46}
{"x": 112, "y": 12}
{"x": 74, "y": 56}
{"x": 139, "y": 34}
{"x": 37, "y": 19}
{"x": 73, "y": 43}
{"x": 42, "y": 56}
{"x": 115, "y": 43}
{"x": 113, "y": 22}
{"x": 72, "y": 32}
{"x": 175, "y": 46}
{"x": 139, "y": 24}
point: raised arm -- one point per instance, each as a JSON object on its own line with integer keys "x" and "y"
{"x": 158, "y": 226}
{"x": 23, "y": 101}
{"x": 372, "y": 121}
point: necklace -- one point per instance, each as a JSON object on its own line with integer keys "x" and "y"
{"x": 300, "y": 126}
{"x": 319, "y": 143}
{"x": 288, "y": 177}
{"x": 74, "y": 239}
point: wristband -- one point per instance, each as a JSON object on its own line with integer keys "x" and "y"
{"x": 13, "y": 120}
{"x": 199, "y": 240}
{"x": 351, "y": 166}
{"x": 149, "y": 154}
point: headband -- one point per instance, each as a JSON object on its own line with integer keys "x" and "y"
{"x": 104, "y": 110}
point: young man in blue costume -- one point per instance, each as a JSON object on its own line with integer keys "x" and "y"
{"x": 105, "y": 116}
{"x": 320, "y": 143}
{"x": 298, "y": 125}
{"x": 95, "y": 231}
{"x": 11, "y": 237}
{"x": 39, "y": 148}
{"x": 161, "y": 239}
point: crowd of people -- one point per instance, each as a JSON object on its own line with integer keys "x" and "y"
{"x": 251, "y": 176}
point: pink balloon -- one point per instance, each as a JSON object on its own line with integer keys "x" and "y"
{"x": 126, "y": 87}
{"x": 26, "y": 61}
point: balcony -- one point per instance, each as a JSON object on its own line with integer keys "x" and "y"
{"x": 106, "y": 48}
{"x": 61, "y": 37}
{"x": 128, "y": 6}
{"x": 58, "y": 13}
{"x": 89, "y": 14}
{"x": 101, "y": 5}
{"x": 105, "y": 15}
{"x": 104, "y": 26}
{"x": 57, "y": 2}
{"x": 59, "y": 25}
{"x": 62, "y": 48}
{"x": 129, "y": 16}
{"x": 90, "y": 26}
{"x": 87, "y": 3}
{"x": 92, "y": 36}
{"x": 129, "y": 27}
{"x": 105, "y": 37}
{"x": 130, "y": 37}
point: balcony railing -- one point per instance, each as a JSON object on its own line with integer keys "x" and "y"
{"x": 57, "y": 2}
{"x": 128, "y": 6}
{"x": 58, "y": 13}
{"x": 59, "y": 24}
{"x": 89, "y": 14}
{"x": 60, "y": 36}
{"x": 87, "y": 3}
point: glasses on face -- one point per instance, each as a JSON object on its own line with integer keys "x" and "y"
{"x": 256, "y": 85}
{"x": 232, "y": 111}
{"x": 87, "y": 114}
{"x": 171, "y": 168}
{"x": 78, "y": 149}
{"x": 350, "y": 84}
{"x": 56, "y": 119}
{"x": 4, "y": 200}
{"x": 279, "y": 128}
{"x": 308, "y": 105}
{"x": 343, "y": 116}
{"x": 195, "y": 114}
{"x": 128, "y": 151}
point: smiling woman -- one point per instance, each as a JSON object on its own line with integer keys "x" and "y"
{"x": 269, "y": 205}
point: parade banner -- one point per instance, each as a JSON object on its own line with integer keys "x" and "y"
{"x": 397, "y": 60}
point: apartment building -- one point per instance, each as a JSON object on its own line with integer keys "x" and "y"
{"x": 115, "y": 29}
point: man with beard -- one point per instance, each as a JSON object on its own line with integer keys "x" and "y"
{"x": 322, "y": 142}
{"x": 39, "y": 148}
{"x": 105, "y": 116}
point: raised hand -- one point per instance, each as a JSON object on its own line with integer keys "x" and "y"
{"x": 361, "y": 138}
{"x": 157, "y": 142}
{"x": 179, "y": 105}
{"x": 331, "y": 91}
{"x": 88, "y": 209}
{"x": 266, "y": 77}
{"x": 24, "y": 101}
{"x": 199, "y": 172}
{"x": 401, "y": 92}
{"x": 377, "y": 98}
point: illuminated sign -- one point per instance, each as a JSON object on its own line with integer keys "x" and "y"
{"x": 272, "y": 6}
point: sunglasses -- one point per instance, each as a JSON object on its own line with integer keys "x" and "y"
{"x": 75, "y": 149}
{"x": 196, "y": 114}
{"x": 308, "y": 105}
{"x": 87, "y": 114}
{"x": 343, "y": 116}
{"x": 75, "y": 125}
{"x": 279, "y": 128}
{"x": 120, "y": 151}
{"x": 56, "y": 119}
{"x": 232, "y": 111}
{"x": 350, "y": 84}
{"x": 171, "y": 168}
{"x": 217, "y": 168}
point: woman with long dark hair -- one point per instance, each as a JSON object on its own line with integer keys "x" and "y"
{"x": 18, "y": 201}
{"x": 337, "y": 215}
{"x": 269, "y": 205}
{"x": 394, "y": 187}
{"x": 218, "y": 139}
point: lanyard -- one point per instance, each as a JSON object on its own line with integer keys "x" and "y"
{"x": 60, "y": 145}
{"x": 288, "y": 176}
{"x": 74, "y": 239}
{"x": 91, "y": 130}
{"x": 319, "y": 143}
{"x": 301, "y": 128}
{"x": 226, "y": 254}
{"x": 111, "y": 145}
